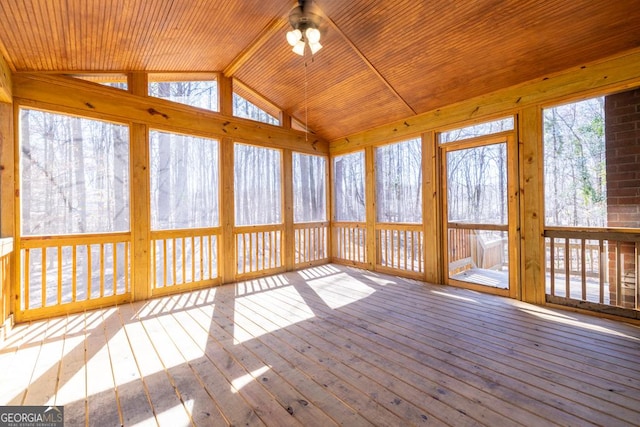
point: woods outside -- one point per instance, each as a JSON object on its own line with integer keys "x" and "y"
{"x": 75, "y": 175}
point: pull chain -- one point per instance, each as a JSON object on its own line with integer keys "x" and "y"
{"x": 306, "y": 109}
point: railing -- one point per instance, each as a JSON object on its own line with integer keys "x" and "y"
{"x": 459, "y": 250}
{"x": 258, "y": 248}
{"x": 492, "y": 252}
{"x": 79, "y": 272}
{"x": 592, "y": 266}
{"x": 582, "y": 256}
{"x": 350, "y": 241}
{"x": 400, "y": 247}
{"x": 185, "y": 258}
{"x": 483, "y": 246}
{"x": 310, "y": 244}
{"x": 6, "y": 249}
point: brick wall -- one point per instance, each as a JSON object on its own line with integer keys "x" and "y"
{"x": 622, "y": 132}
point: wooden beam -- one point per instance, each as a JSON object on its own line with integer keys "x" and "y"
{"x": 617, "y": 73}
{"x": 274, "y": 26}
{"x": 79, "y": 97}
{"x": 6, "y": 85}
{"x": 369, "y": 65}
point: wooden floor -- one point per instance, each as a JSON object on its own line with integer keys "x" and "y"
{"x": 326, "y": 346}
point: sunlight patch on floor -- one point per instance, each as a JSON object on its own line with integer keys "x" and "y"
{"x": 568, "y": 321}
{"x": 174, "y": 416}
{"x": 100, "y": 379}
{"x": 240, "y": 382}
{"x": 248, "y": 313}
{"x": 74, "y": 388}
{"x": 260, "y": 285}
{"x": 318, "y": 272}
{"x": 340, "y": 290}
{"x": 486, "y": 277}
{"x": 458, "y": 297}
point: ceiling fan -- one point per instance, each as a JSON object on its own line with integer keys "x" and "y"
{"x": 305, "y": 20}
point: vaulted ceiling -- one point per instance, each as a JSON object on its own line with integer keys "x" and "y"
{"x": 382, "y": 60}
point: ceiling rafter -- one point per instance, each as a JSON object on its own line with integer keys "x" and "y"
{"x": 364, "y": 59}
{"x": 274, "y": 26}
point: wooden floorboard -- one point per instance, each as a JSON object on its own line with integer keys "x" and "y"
{"x": 330, "y": 345}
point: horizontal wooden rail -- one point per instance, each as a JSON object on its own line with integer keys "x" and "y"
{"x": 484, "y": 227}
{"x": 257, "y": 228}
{"x": 185, "y": 232}
{"x": 76, "y": 239}
{"x": 619, "y": 234}
{"x": 398, "y": 226}
{"x": 186, "y": 258}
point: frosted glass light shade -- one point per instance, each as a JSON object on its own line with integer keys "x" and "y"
{"x": 294, "y": 37}
{"x": 299, "y": 48}
{"x": 314, "y": 47}
{"x": 312, "y": 35}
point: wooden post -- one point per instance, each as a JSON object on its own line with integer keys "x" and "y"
{"x": 333, "y": 236}
{"x": 8, "y": 195}
{"x": 285, "y": 120}
{"x": 430, "y": 213}
{"x": 531, "y": 206}
{"x": 289, "y": 237}
{"x": 227, "y": 256}
{"x": 514, "y": 217}
{"x": 370, "y": 205}
{"x": 7, "y": 213}
{"x": 329, "y": 206}
{"x": 140, "y": 201}
{"x": 7, "y": 209}
{"x": 225, "y": 100}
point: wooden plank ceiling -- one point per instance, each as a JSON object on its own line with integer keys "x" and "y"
{"x": 382, "y": 61}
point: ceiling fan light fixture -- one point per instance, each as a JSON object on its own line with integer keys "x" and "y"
{"x": 305, "y": 20}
